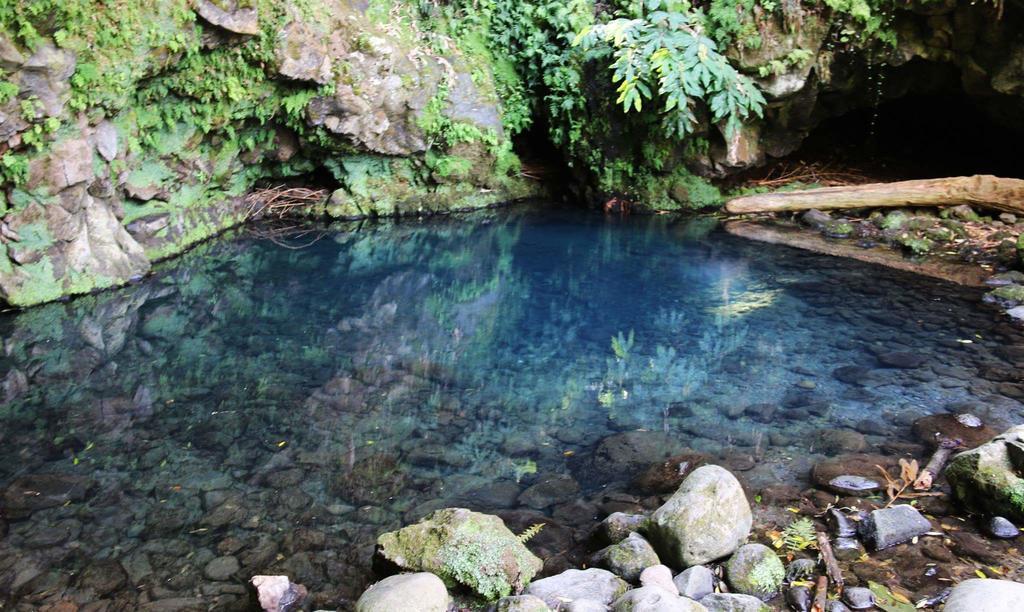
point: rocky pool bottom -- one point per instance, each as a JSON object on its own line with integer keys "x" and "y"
{"x": 271, "y": 403}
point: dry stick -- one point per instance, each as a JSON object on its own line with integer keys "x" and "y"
{"x": 820, "y": 595}
{"x": 938, "y": 461}
{"x": 829, "y": 559}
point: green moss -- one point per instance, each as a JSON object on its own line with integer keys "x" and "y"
{"x": 767, "y": 575}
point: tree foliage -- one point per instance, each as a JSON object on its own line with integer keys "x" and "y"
{"x": 663, "y": 56}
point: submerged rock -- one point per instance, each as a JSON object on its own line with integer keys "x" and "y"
{"x": 930, "y": 429}
{"x": 755, "y": 570}
{"x": 987, "y": 479}
{"x": 597, "y": 585}
{"x": 706, "y": 519}
{"x": 854, "y": 485}
{"x": 463, "y": 548}
{"x": 891, "y": 526}
{"x": 421, "y": 592}
{"x": 33, "y": 492}
{"x": 978, "y": 595}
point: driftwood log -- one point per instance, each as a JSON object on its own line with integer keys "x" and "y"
{"x": 962, "y": 274}
{"x": 982, "y": 190}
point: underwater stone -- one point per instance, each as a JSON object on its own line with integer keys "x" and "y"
{"x": 853, "y": 485}
{"x": 847, "y": 549}
{"x": 891, "y": 526}
{"x": 706, "y": 519}
{"x": 463, "y": 548}
{"x": 420, "y": 592}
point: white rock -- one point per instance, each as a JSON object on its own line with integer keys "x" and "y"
{"x": 659, "y": 576}
{"x": 977, "y": 595}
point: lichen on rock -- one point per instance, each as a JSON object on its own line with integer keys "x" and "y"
{"x": 463, "y": 548}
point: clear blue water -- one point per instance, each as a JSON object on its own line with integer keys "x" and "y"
{"x": 282, "y": 399}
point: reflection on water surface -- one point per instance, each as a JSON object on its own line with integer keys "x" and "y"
{"x": 260, "y": 409}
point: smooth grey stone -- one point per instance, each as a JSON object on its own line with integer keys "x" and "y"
{"x": 847, "y": 549}
{"x": 859, "y": 598}
{"x": 733, "y": 602}
{"x": 695, "y": 582}
{"x": 1002, "y": 528}
{"x": 799, "y": 599}
{"x": 980, "y": 595}
{"x": 891, "y": 526}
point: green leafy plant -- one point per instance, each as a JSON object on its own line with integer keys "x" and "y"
{"x": 665, "y": 57}
{"x": 530, "y": 532}
{"x": 798, "y": 535}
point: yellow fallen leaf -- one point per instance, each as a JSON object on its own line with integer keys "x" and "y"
{"x": 980, "y": 573}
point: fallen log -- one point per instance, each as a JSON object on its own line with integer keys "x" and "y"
{"x": 982, "y": 190}
{"x": 820, "y": 594}
{"x": 961, "y": 274}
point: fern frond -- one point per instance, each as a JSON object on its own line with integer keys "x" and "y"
{"x": 530, "y": 532}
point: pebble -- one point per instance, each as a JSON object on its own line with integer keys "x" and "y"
{"x": 859, "y": 598}
{"x": 1002, "y": 528}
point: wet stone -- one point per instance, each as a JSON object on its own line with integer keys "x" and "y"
{"x": 891, "y": 526}
{"x": 858, "y": 598}
{"x": 854, "y": 485}
{"x": 799, "y": 599}
{"x": 847, "y": 549}
{"x": 617, "y": 525}
{"x": 801, "y": 569}
{"x": 1000, "y": 527}
{"x": 103, "y": 577}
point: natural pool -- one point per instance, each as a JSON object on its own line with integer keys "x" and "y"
{"x": 269, "y": 403}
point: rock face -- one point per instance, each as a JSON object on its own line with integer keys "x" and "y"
{"x": 977, "y": 595}
{"x": 109, "y": 189}
{"x": 755, "y": 570}
{"x": 706, "y": 519}
{"x": 421, "y": 592}
{"x": 463, "y": 548}
{"x": 595, "y": 585}
{"x": 988, "y": 479}
{"x": 891, "y": 526}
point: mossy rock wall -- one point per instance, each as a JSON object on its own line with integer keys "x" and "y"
{"x": 130, "y": 132}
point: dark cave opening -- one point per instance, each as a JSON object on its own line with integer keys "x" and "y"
{"x": 920, "y": 135}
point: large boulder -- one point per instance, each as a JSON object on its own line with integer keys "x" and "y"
{"x": 977, "y": 595}
{"x": 706, "y": 519}
{"x": 596, "y": 585}
{"x": 755, "y": 570}
{"x": 988, "y": 479}
{"x": 422, "y": 592}
{"x": 463, "y": 548}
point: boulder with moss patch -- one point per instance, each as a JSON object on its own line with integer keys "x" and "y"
{"x": 755, "y": 570}
{"x": 706, "y": 519}
{"x": 464, "y": 548}
{"x": 988, "y": 479}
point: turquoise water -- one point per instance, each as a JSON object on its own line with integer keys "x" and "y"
{"x": 276, "y": 399}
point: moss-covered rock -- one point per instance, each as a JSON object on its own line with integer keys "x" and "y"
{"x": 988, "y": 479}
{"x": 755, "y": 570}
{"x": 464, "y": 548}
